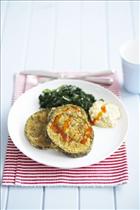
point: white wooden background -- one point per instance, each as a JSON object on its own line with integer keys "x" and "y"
{"x": 69, "y": 36}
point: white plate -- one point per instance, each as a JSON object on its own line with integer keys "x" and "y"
{"x": 106, "y": 140}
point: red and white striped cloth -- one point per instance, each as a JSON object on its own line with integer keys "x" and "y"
{"x": 23, "y": 171}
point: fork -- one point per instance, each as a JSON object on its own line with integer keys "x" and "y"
{"x": 92, "y": 77}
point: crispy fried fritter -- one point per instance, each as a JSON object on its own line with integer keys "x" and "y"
{"x": 69, "y": 129}
{"x": 35, "y": 130}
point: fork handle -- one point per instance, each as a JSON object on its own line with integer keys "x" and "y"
{"x": 101, "y": 80}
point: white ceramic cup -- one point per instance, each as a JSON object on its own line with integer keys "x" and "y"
{"x": 130, "y": 57}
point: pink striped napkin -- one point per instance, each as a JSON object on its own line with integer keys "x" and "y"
{"x": 23, "y": 171}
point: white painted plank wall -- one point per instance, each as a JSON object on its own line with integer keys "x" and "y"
{"x": 94, "y": 56}
{"x": 63, "y": 36}
{"x": 61, "y": 198}
{"x": 21, "y": 198}
{"x": 127, "y": 196}
{"x": 135, "y": 13}
{"x": 4, "y": 190}
{"x": 93, "y": 36}
{"x": 120, "y": 30}
{"x": 67, "y": 50}
{"x": 40, "y": 54}
{"x": 3, "y": 5}
{"x": 67, "y": 43}
{"x": 118, "y": 22}
{"x": 13, "y": 57}
{"x": 41, "y": 36}
{"x": 65, "y": 54}
{"x": 4, "y": 10}
{"x": 13, "y": 51}
{"x": 13, "y": 48}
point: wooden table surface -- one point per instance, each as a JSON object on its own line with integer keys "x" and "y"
{"x": 69, "y": 36}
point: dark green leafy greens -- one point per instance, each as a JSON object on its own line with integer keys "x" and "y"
{"x": 66, "y": 94}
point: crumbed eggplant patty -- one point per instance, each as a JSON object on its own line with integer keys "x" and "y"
{"x": 35, "y": 130}
{"x": 70, "y": 132}
{"x": 69, "y": 109}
